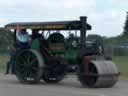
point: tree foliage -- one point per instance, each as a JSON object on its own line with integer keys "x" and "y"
{"x": 5, "y": 39}
{"x": 95, "y": 38}
{"x": 125, "y": 32}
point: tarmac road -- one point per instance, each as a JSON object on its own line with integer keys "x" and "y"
{"x": 9, "y": 86}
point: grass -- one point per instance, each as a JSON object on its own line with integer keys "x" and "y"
{"x": 3, "y": 60}
{"x": 121, "y": 61}
{"x": 122, "y": 64}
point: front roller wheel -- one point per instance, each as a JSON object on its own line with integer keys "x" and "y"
{"x": 29, "y": 64}
{"x": 101, "y": 74}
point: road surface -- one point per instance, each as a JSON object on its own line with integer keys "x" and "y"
{"x": 9, "y": 86}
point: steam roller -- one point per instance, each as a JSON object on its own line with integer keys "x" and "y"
{"x": 51, "y": 55}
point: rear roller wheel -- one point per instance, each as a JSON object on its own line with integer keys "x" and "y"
{"x": 29, "y": 64}
{"x": 100, "y": 74}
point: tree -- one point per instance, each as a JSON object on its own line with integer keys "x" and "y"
{"x": 95, "y": 38}
{"x": 5, "y": 39}
{"x": 125, "y": 32}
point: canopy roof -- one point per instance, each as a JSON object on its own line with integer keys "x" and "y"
{"x": 58, "y": 25}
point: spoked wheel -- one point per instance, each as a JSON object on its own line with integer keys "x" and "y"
{"x": 29, "y": 64}
{"x": 100, "y": 74}
{"x": 54, "y": 76}
{"x": 51, "y": 78}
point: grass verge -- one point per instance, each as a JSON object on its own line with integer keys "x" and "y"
{"x": 3, "y": 60}
{"x": 122, "y": 64}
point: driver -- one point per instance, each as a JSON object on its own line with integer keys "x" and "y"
{"x": 22, "y": 41}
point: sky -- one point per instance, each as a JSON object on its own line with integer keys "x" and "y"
{"x": 107, "y": 17}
